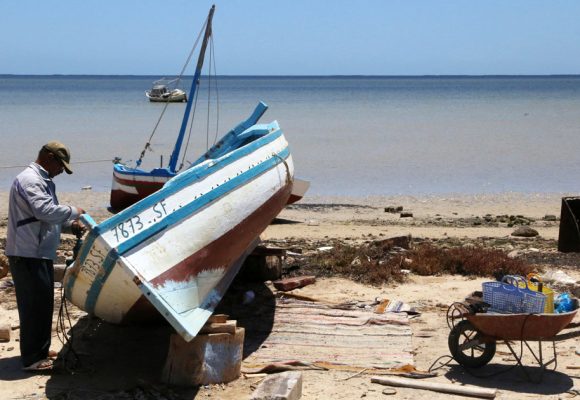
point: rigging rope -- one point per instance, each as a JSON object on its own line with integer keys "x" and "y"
{"x": 76, "y": 162}
{"x": 208, "y": 100}
{"x": 178, "y": 80}
{"x": 217, "y": 97}
{"x": 190, "y": 129}
{"x": 211, "y": 68}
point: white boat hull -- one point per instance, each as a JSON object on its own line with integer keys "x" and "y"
{"x": 179, "y": 248}
{"x": 175, "y": 96}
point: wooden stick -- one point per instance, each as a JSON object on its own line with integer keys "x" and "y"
{"x": 357, "y": 374}
{"x": 436, "y": 387}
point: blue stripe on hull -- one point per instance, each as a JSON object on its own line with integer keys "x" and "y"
{"x": 95, "y": 289}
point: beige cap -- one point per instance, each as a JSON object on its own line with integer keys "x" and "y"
{"x": 62, "y": 152}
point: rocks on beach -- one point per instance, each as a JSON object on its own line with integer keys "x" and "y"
{"x": 525, "y": 231}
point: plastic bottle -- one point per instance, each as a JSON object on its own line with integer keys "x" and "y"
{"x": 563, "y": 303}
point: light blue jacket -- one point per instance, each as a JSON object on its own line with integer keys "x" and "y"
{"x": 35, "y": 219}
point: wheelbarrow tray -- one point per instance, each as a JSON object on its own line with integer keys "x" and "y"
{"x": 520, "y": 326}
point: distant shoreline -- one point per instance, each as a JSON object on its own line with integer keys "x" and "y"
{"x": 535, "y": 205}
{"x": 156, "y": 76}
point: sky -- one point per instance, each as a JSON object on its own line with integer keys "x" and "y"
{"x": 292, "y": 37}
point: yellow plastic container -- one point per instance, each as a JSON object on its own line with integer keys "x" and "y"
{"x": 549, "y": 306}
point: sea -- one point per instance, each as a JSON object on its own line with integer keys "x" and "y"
{"x": 351, "y": 136}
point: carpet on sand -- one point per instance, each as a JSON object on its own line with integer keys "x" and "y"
{"x": 333, "y": 336}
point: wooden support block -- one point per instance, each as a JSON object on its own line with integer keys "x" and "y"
{"x": 261, "y": 268}
{"x": 207, "y": 359}
{"x": 219, "y": 327}
{"x": 5, "y": 330}
{"x": 218, "y": 318}
{"x": 268, "y": 251}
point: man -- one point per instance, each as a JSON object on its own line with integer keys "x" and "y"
{"x": 35, "y": 221}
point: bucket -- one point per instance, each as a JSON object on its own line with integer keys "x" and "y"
{"x": 549, "y": 305}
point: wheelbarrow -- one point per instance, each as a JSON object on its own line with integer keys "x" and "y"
{"x": 472, "y": 340}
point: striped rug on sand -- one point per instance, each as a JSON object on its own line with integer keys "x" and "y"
{"x": 331, "y": 336}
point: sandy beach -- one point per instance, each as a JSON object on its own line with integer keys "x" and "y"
{"x": 315, "y": 222}
{"x": 439, "y": 141}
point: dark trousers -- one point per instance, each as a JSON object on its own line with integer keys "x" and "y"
{"x": 34, "y": 283}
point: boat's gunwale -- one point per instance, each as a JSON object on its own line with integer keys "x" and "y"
{"x": 196, "y": 172}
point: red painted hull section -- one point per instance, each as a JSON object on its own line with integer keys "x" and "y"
{"x": 221, "y": 253}
{"x": 120, "y": 199}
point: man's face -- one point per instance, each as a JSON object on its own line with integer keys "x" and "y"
{"x": 55, "y": 166}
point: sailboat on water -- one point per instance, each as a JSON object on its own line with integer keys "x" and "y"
{"x": 161, "y": 92}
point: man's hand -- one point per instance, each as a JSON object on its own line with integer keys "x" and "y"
{"x": 77, "y": 228}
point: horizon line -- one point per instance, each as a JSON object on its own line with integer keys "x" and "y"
{"x": 307, "y": 75}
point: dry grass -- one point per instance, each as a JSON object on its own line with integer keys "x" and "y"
{"x": 371, "y": 264}
{"x": 470, "y": 261}
{"x": 365, "y": 264}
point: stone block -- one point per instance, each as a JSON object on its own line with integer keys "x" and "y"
{"x": 283, "y": 386}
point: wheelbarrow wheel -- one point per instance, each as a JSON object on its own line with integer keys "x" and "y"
{"x": 467, "y": 348}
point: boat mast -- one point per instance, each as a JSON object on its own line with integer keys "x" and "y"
{"x": 194, "y": 85}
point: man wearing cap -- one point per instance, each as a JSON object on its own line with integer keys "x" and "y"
{"x": 35, "y": 221}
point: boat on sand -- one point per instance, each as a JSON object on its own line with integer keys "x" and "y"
{"x": 175, "y": 252}
{"x": 178, "y": 249}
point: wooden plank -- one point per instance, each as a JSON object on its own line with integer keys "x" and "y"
{"x": 436, "y": 387}
{"x": 294, "y": 282}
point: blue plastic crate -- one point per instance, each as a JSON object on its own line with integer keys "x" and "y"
{"x": 512, "y": 296}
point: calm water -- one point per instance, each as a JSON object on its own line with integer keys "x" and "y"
{"x": 349, "y": 136}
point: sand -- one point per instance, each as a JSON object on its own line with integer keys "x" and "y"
{"x": 455, "y": 217}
